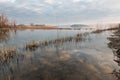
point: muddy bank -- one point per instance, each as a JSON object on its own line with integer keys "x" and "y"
{"x": 114, "y": 44}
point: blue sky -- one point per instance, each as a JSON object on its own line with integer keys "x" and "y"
{"x": 61, "y": 11}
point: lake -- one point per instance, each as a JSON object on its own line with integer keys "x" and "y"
{"x": 69, "y": 55}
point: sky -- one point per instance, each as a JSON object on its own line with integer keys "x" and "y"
{"x": 61, "y": 11}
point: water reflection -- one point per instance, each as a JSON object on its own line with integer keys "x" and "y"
{"x": 17, "y": 37}
{"x": 4, "y": 35}
{"x": 11, "y": 58}
{"x": 9, "y": 62}
{"x": 62, "y": 58}
{"x": 114, "y": 44}
{"x": 58, "y": 41}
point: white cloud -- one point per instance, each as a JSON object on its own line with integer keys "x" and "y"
{"x": 83, "y": 1}
{"x": 6, "y": 1}
{"x": 59, "y": 11}
{"x": 76, "y": 0}
{"x": 12, "y": 1}
{"x": 49, "y": 1}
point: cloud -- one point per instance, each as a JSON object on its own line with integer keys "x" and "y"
{"x": 60, "y": 11}
{"x": 3, "y": 1}
{"x": 83, "y": 0}
{"x": 49, "y": 1}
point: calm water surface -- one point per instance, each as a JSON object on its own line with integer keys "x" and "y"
{"x": 87, "y": 59}
{"x": 20, "y": 37}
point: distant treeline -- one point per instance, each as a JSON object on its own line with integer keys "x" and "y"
{"x": 5, "y": 23}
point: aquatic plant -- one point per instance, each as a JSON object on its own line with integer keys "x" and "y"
{"x": 33, "y": 45}
{"x": 8, "y": 58}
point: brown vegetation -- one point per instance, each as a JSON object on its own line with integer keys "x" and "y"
{"x": 5, "y": 23}
{"x": 108, "y": 29}
{"x": 114, "y": 44}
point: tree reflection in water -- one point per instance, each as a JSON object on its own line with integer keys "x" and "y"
{"x": 114, "y": 44}
{"x": 4, "y": 35}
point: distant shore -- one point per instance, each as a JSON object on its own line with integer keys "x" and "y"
{"x": 36, "y": 27}
{"x": 49, "y": 27}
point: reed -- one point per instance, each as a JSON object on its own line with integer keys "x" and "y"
{"x": 115, "y": 27}
{"x": 36, "y": 44}
{"x": 6, "y": 54}
{"x": 5, "y": 22}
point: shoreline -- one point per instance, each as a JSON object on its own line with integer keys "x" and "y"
{"x": 56, "y": 28}
{"x": 34, "y": 27}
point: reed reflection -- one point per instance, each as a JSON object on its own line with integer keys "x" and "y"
{"x": 4, "y": 35}
{"x": 9, "y": 62}
{"x": 52, "y": 60}
{"x": 58, "y": 41}
{"x": 11, "y": 58}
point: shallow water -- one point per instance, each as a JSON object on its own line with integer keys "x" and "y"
{"x": 20, "y": 37}
{"x": 87, "y": 59}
